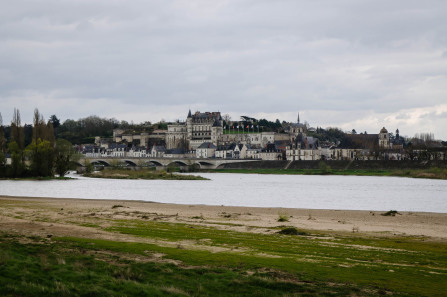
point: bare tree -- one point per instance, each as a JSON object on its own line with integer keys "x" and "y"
{"x": 227, "y": 118}
{"x": 17, "y": 133}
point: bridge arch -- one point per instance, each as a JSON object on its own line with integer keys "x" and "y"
{"x": 203, "y": 163}
{"x": 130, "y": 163}
{"x": 180, "y": 163}
{"x": 156, "y": 163}
{"x": 177, "y": 163}
{"x": 100, "y": 162}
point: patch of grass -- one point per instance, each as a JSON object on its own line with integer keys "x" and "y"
{"x": 78, "y": 267}
{"x": 391, "y": 213}
{"x": 117, "y": 206}
{"x": 435, "y": 173}
{"x": 372, "y": 255}
{"x": 198, "y": 217}
{"x": 283, "y": 218}
{"x": 91, "y": 225}
{"x": 291, "y": 231}
{"x": 325, "y": 264}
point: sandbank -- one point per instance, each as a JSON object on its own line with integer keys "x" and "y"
{"x": 77, "y": 217}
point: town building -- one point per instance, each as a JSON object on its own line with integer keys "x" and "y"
{"x": 206, "y": 150}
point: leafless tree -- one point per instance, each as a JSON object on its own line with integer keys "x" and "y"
{"x": 17, "y": 133}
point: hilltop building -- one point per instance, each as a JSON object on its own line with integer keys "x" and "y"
{"x": 203, "y": 135}
{"x": 198, "y": 128}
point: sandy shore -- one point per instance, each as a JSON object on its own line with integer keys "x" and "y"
{"x": 78, "y": 217}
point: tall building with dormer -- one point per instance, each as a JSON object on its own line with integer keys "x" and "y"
{"x": 198, "y": 128}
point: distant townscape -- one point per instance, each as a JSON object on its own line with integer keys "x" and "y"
{"x": 203, "y": 140}
{"x": 208, "y": 135}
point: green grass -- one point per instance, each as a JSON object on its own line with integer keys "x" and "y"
{"x": 434, "y": 173}
{"x": 283, "y": 217}
{"x": 381, "y": 263}
{"x": 304, "y": 171}
{"x": 80, "y": 267}
{"x": 215, "y": 262}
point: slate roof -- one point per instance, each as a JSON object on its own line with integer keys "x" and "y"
{"x": 159, "y": 148}
{"x": 176, "y": 151}
{"x": 360, "y": 141}
{"x": 207, "y": 145}
{"x": 117, "y": 146}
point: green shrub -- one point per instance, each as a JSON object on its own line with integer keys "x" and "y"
{"x": 325, "y": 169}
{"x": 391, "y": 213}
{"x": 283, "y": 218}
{"x": 291, "y": 231}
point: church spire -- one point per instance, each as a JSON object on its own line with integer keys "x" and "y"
{"x": 189, "y": 113}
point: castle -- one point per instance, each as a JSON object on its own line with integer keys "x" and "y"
{"x": 206, "y": 135}
{"x": 198, "y": 128}
{"x": 208, "y": 127}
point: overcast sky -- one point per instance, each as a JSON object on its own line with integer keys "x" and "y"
{"x": 348, "y": 64}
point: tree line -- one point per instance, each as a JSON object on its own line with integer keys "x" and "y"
{"x": 42, "y": 155}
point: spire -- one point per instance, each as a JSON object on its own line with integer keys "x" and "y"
{"x": 189, "y": 113}
{"x": 298, "y": 118}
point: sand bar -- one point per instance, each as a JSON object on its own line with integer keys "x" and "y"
{"x": 62, "y": 217}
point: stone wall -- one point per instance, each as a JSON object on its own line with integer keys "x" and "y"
{"x": 342, "y": 164}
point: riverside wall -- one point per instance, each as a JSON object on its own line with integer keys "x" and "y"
{"x": 339, "y": 164}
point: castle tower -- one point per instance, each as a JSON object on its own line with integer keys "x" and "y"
{"x": 384, "y": 138}
{"x": 216, "y": 131}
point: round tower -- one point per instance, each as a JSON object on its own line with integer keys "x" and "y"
{"x": 216, "y": 131}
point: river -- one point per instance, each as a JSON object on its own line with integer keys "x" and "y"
{"x": 291, "y": 191}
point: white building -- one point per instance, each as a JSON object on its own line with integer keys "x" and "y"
{"x": 304, "y": 148}
{"x": 206, "y": 150}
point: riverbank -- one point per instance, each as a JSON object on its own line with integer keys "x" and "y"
{"x": 432, "y": 173}
{"x": 115, "y": 247}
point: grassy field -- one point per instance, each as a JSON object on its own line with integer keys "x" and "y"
{"x": 141, "y": 174}
{"x": 435, "y": 173}
{"x": 183, "y": 259}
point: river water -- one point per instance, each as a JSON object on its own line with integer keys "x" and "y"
{"x": 291, "y": 191}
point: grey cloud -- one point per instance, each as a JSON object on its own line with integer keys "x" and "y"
{"x": 247, "y": 56}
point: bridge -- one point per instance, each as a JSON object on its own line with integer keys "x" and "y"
{"x": 158, "y": 162}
